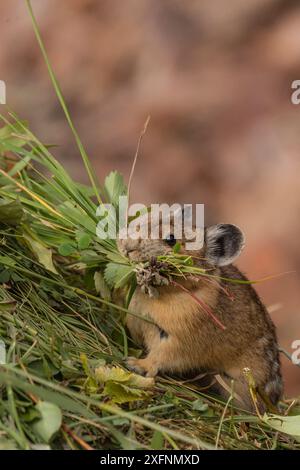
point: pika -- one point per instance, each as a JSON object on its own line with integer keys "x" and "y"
{"x": 181, "y": 337}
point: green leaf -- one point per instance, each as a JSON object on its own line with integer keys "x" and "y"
{"x": 286, "y": 424}
{"x": 89, "y": 257}
{"x": 50, "y": 421}
{"x": 83, "y": 240}
{"x": 117, "y": 275}
{"x": 31, "y": 414}
{"x": 101, "y": 286}
{"x": 177, "y": 247}
{"x": 157, "y": 441}
{"x": 122, "y": 386}
{"x": 121, "y": 393}
{"x": 130, "y": 292}
{"x": 43, "y": 368}
{"x": 199, "y": 405}
{"x": 104, "y": 374}
{"x": 66, "y": 249}
{"x": 43, "y": 254}
{"x": 11, "y": 213}
{"x": 114, "y": 187}
{"x": 115, "y": 257}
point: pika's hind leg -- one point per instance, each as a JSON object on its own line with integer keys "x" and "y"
{"x": 237, "y": 389}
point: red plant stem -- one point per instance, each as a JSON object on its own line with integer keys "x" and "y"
{"x": 224, "y": 289}
{"x": 201, "y": 303}
{"x": 76, "y": 438}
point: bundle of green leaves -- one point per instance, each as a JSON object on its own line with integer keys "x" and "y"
{"x": 58, "y": 215}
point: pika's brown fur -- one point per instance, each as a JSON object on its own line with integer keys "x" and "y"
{"x": 183, "y": 338}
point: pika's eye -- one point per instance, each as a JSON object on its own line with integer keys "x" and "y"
{"x": 170, "y": 240}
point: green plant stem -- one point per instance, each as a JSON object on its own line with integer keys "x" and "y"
{"x": 22, "y": 440}
{"x": 60, "y": 97}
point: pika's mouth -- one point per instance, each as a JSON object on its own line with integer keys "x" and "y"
{"x": 131, "y": 253}
{"x": 135, "y": 255}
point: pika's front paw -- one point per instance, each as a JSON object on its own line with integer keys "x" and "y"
{"x": 141, "y": 366}
{"x": 134, "y": 364}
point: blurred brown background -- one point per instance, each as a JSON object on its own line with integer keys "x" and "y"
{"x": 216, "y": 79}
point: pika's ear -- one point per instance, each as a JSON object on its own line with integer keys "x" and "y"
{"x": 224, "y": 243}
